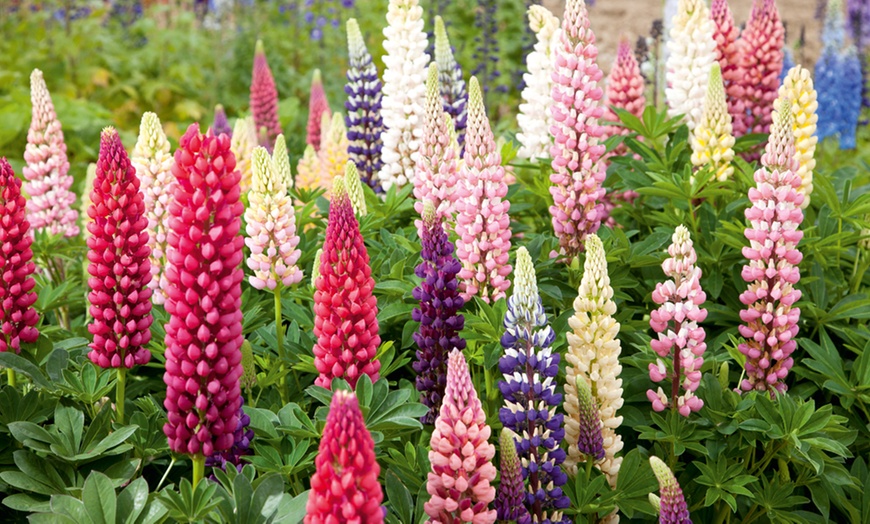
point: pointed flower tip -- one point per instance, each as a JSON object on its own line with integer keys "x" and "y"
{"x": 428, "y": 211}
{"x": 339, "y": 189}
{"x": 258, "y": 49}
{"x": 315, "y": 77}
{"x": 108, "y": 132}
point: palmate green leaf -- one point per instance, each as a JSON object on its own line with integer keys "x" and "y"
{"x": 634, "y": 484}
{"x": 189, "y": 504}
{"x": 29, "y": 408}
{"x": 725, "y": 482}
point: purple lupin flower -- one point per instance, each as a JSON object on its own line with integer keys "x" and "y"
{"x": 590, "y": 441}
{"x": 242, "y": 437}
{"x": 452, "y": 84}
{"x": 509, "y": 496}
{"x": 364, "y": 122}
{"x": 529, "y": 387}
{"x": 672, "y": 505}
{"x": 438, "y": 314}
{"x": 221, "y": 124}
{"x": 486, "y": 53}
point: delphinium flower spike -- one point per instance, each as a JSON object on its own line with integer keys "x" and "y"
{"x": 345, "y": 487}
{"x": 345, "y": 308}
{"x": 692, "y": 50}
{"x": 529, "y": 366}
{"x": 49, "y": 207}
{"x": 153, "y": 163}
{"x": 309, "y": 170}
{"x": 625, "y": 87}
{"x": 712, "y": 140}
{"x": 333, "y": 150}
{"x": 770, "y": 316}
{"x": 404, "y": 91}
{"x": 452, "y": 84}
{"x": 204, "y": 333}
{"x": 829, "y": 70}
{"x": 282, "y": 162}
{"x": 851, "y": 89}
{"x": 119, "y": 267}
{"x": 438, "y": 313}
{"x": 318, "y": 105}
{"x": 242, "y": 145}
{"x": 264, "y": 99}
{"x": 798, "y": 87}
{"x": 726, "y": 34}
{"x": 578, "y": 172}
{"x": 220, "y": 124}
{"x": 680, "y": 339}
{"x": 363, "y": 105}
{"x": 355, "y": 189}
{"x": 435, "y": 177}
{"x": 593, "y": 357}
{"x": 672, "y": 504}
{"x": 482, "y": 221}
{"x": 510, "y": 496}
{"x": 534, "y": 118}
{"x": 460, "y": 454}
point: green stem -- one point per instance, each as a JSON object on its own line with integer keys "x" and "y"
{"x": 10, "y": 373}
{"x": 279, "y": 335}
{"x": 589, "y": 466}
{"x": 120, "y": 393}
{"x": 198, "y": 468}
{"x": 723, "y": 512}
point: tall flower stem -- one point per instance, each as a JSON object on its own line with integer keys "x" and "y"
{"x": 198, "y": 468}
{"x": 120, "y": 393}
{"x": 279, "y": 335}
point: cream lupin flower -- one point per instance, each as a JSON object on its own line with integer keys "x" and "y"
{"x": 712, "y": 140}
{"x": 333, "y": 148}
{"x": 692, "y": 51}
{"x": 282, "y": 161}
{"x": 534, "y": 117}
{"x": 798, "y": 87}
{"x": 354, "y": 189}
{"x": 242, "y": 145}
{"x": 308, "y": 170}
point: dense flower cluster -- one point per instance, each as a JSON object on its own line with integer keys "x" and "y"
{"x": 333, "y": 149}
{"x": 308, "y": 170}
{"x": 355, "y": 189}
{"x": 798, "y": 87}
{"x": 510, "y": 495}
{"x": 692, "y": 50}
{"x": 318, "y": 105}
{"x": 726, "y": 35}
{"x": 590, "y": 440}
{"x": 672, "y": 504}
{"x": 282, "y": 162}
{"x": 625, "y": 86}
{"x": 119, "y": 268}
{"x": 204, "y": 333}
{"x": 452, "y": 84}
{"x": 242, "y": 145}
{"x": 363, "y": 105}
{"x": 242, "y": 437}
{"x": 852, "y": 85}
{"x": 220, "y": 123}
{"x": 712, "y": 140}
{"x": 534, "y": 118}
{"x": 264, "y": 100}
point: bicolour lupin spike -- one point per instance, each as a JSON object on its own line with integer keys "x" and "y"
{"x": 712, "y": 140}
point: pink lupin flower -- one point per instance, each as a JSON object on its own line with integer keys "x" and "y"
{"x": 264, "y": 100}
{"x": 17, "y": 316}
{"x": 345, "y": 487}
{"x": 482, "y": 221}
{"x": 317, "y": 106}
{"x": 625, "y": 87}
{"x": 48, "y": 182}
{"x": 680, "y": 340}
{"x": 460, "y": 454}
{"x": 578, "y": 173}
{"x": 775, "y": 217}
{"x": 726, "y": 34}
{"x": 119, "y": 268}
{"x": 204, "y": 333}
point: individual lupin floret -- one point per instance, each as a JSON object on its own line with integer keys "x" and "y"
{"x": 264, "y": 100}
{"x": 593, "y": 357}
{"x": 534, "y": 118}
{"x": 482, "y": 220}
{"x": 242, "y": 144}
{"x": 354, "y": 189}
{"x": 153, "y": 163}
{"x": 309, "y": 171}
{"x": 712, "y": 140}
{"x": 798, "y": 87}
{"x": 692, "y": 51}
{"x": 333, "y": 150}
{"x": 363, "y": 105}
{"x": 625, "y": 87}
{"x": 680, "y": 339}
{"x": 510, "y": 495}
{"x": 452, "y": 84}
{"x": 270, "y": 224}
{"x": 460, "y": 454}
{"x": 282, "y": 161}
{"x": 318, "y": 106}
{"x": 404, "y": 91}
{"x": 672, "y": 504}
{"x": 49, "y": 207}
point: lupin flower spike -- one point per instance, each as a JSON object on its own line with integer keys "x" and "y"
{"x": 726, "y": 35}
{"x": 264, "y": 99}
{"x": 363, "y": 105}
{"x": 345, "y": 309}
{"x": 333, "y": 149}
{"x": 204, "y": 333}
{"x": 712, "y": 140}
{"x": 220, "y": 124}
{"x": 593, "y": 356}
{"x": 851, "y": 88}
{"x": 578, "y": 173}
{"x": 270, "y": 224}
{"x": 119, "y": 267}
{"x": 482, "y": 221}
{"x": 436, "y": 176}
{"x": 510, "y": 495}
{"x": 315, "y": 267}
{"x": 153, "y": 163}
{"x": 345, "y": 487}
{"x": 798, "y": 87}
{"x": 318, "y": 106}
{"x": 761, "y": 56}
{"x": 404, "y": 91}
{"x": 529, "y": 367}
{"x": 590, "y": 441}
{"x": 672, "y": 504}
{"x": 242, "y": 145}
{"x": 49, "y": 207}
{"x": 438, "y": 314}
{"x": 534, "y": 117}
{"x": 692, "y": 50}
{"x": 828, "y": 71}
{"x": 242, "y": 437}
{"x": 282, "y": 162}
{"x": 460, "y": 453}
{"x": 770, "y": 316}
{"x": 354, "y": 189}
{"x": 625, "y": 86}
{"x": 680, "y": 339}
{"x": 17, "y": 316}
{"x": 452, "y": 84}
{"x": 308, "y": 170}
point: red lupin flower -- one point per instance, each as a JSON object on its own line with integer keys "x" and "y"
{"x": 204, "y": 333}
{"x": 119, "y": 267}
{"x": 264, "y": 100}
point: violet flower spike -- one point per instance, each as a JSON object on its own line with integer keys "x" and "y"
{"x": 363, "y": 105}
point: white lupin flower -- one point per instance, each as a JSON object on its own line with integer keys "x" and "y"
{"x": 404, "y": 91}
{"x": 593, "y": 356}
{"x": 692, "y": 53}
{"x": 153, "y": 162}
{"x": 242, "y": 145}
{"x": 534, "y": 117}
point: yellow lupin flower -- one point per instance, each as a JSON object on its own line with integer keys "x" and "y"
{"x": 593, "y": 356}
{"x": 798, "y": 87}
{"x": 712, "y": 140}
{"x": 354, "y": 189}
{"x": 333, "y": 148}
{"x": 242, "y": 145}
{"x": 282, "y": 161}
{"x": 308, "y": 170}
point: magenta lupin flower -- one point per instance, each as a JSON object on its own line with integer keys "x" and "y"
{"x": 317, "y": 106}
{"x": 482, "y": 221}
{"x": 119, "y": 267}
{"x": 345, "y": 487}
{"x": 264, "y": 100}
{"x": 625, "y": 87}
{"x": 775, "y": 217}
{"x": 578, "y": 174}
{"x": 47, "y": 171}
{"x": 680, "y": 340}
{"x": 17, "y": 316}
{"x": 672, "y": 504}
{"x": 460, "y": 454}
{"x": 204, "y": 333}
